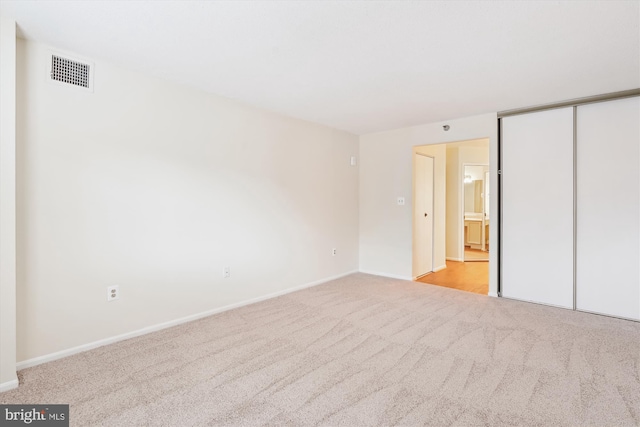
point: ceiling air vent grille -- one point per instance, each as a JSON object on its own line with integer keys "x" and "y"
{"x": 72, "y": 72}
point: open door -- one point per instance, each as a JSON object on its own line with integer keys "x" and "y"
{"x": 423, "y": 214}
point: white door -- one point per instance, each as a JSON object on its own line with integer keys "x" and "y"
{"x": 537, "y": 207}
{"x": 423, "y": 215}
{"x": 608, "y": 208}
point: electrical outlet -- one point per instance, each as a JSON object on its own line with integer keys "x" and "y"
{"x": 400, "y": 201}
{"x": 334, "y": 251}
{"x": 226, "y": 272}
{"x": 353, "y": 161}
{"x": 113, "y": 293}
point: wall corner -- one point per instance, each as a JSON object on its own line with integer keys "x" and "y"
{"x": 8, "y": 377}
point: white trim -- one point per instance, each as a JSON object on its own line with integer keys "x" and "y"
{"x": 493, "y": 294}
{"x": 9, "y": 385}
{"x": 630, "y": 319}
{"x": 454, "y": 259}
{"x": 391, "y": 276}
{"x": 95, "y": 344}
{"x": 442, "y": 267}
{"x": 537, "y": 302}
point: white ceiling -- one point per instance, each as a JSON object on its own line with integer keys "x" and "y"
{"x": 355, "y": 65}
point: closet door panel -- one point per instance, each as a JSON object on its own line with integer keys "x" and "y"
{"x": 608, "y": 202}
{"x": 537, "y": 207}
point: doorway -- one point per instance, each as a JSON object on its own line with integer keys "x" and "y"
{"x": 449, "y": 235}
{"x": 475, "y": 212}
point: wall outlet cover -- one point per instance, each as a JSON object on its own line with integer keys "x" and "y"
{"x": 113, "y": 293}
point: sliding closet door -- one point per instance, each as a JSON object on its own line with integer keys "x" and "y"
{"x": 537, "y": 207}
{"x": 608, "y": 215}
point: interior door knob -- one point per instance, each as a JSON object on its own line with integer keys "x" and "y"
{"x": 425, "y": 214}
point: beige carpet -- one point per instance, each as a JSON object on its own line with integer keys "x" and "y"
{"x": 362, "y": 350}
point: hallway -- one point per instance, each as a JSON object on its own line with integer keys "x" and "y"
{"x": 465, "y": 276}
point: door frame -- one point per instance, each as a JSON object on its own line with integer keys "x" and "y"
{"x": 461, "y": 210}
{"x": 415, "y": 218}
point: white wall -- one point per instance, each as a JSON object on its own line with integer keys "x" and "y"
{"x": 8, "y": 378}
{"x": 156, "y": 187}
{"x": 453, "y": 204}
{"x": 385, "y": 173}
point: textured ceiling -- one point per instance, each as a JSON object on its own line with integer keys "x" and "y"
{"x": 358, "y": 66}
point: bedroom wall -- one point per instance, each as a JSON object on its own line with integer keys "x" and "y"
{"x": 156, "y": 187}
{"x": 386, "y": 173}
{"x": 8, "y": 377}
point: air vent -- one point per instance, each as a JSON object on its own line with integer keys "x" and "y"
{"x": 71, "y": 72}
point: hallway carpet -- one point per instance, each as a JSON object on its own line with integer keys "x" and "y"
{"x": 361, "y": 350}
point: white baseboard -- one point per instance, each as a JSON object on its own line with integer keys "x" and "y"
{"x": 391, "y": 276}
{"x": 493, "y": 294}
{"x": 442, "y": 267}
{"x": 9, "y": 385}
{"x": 455, "y": 259}
{"x": 95, "y": 344}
